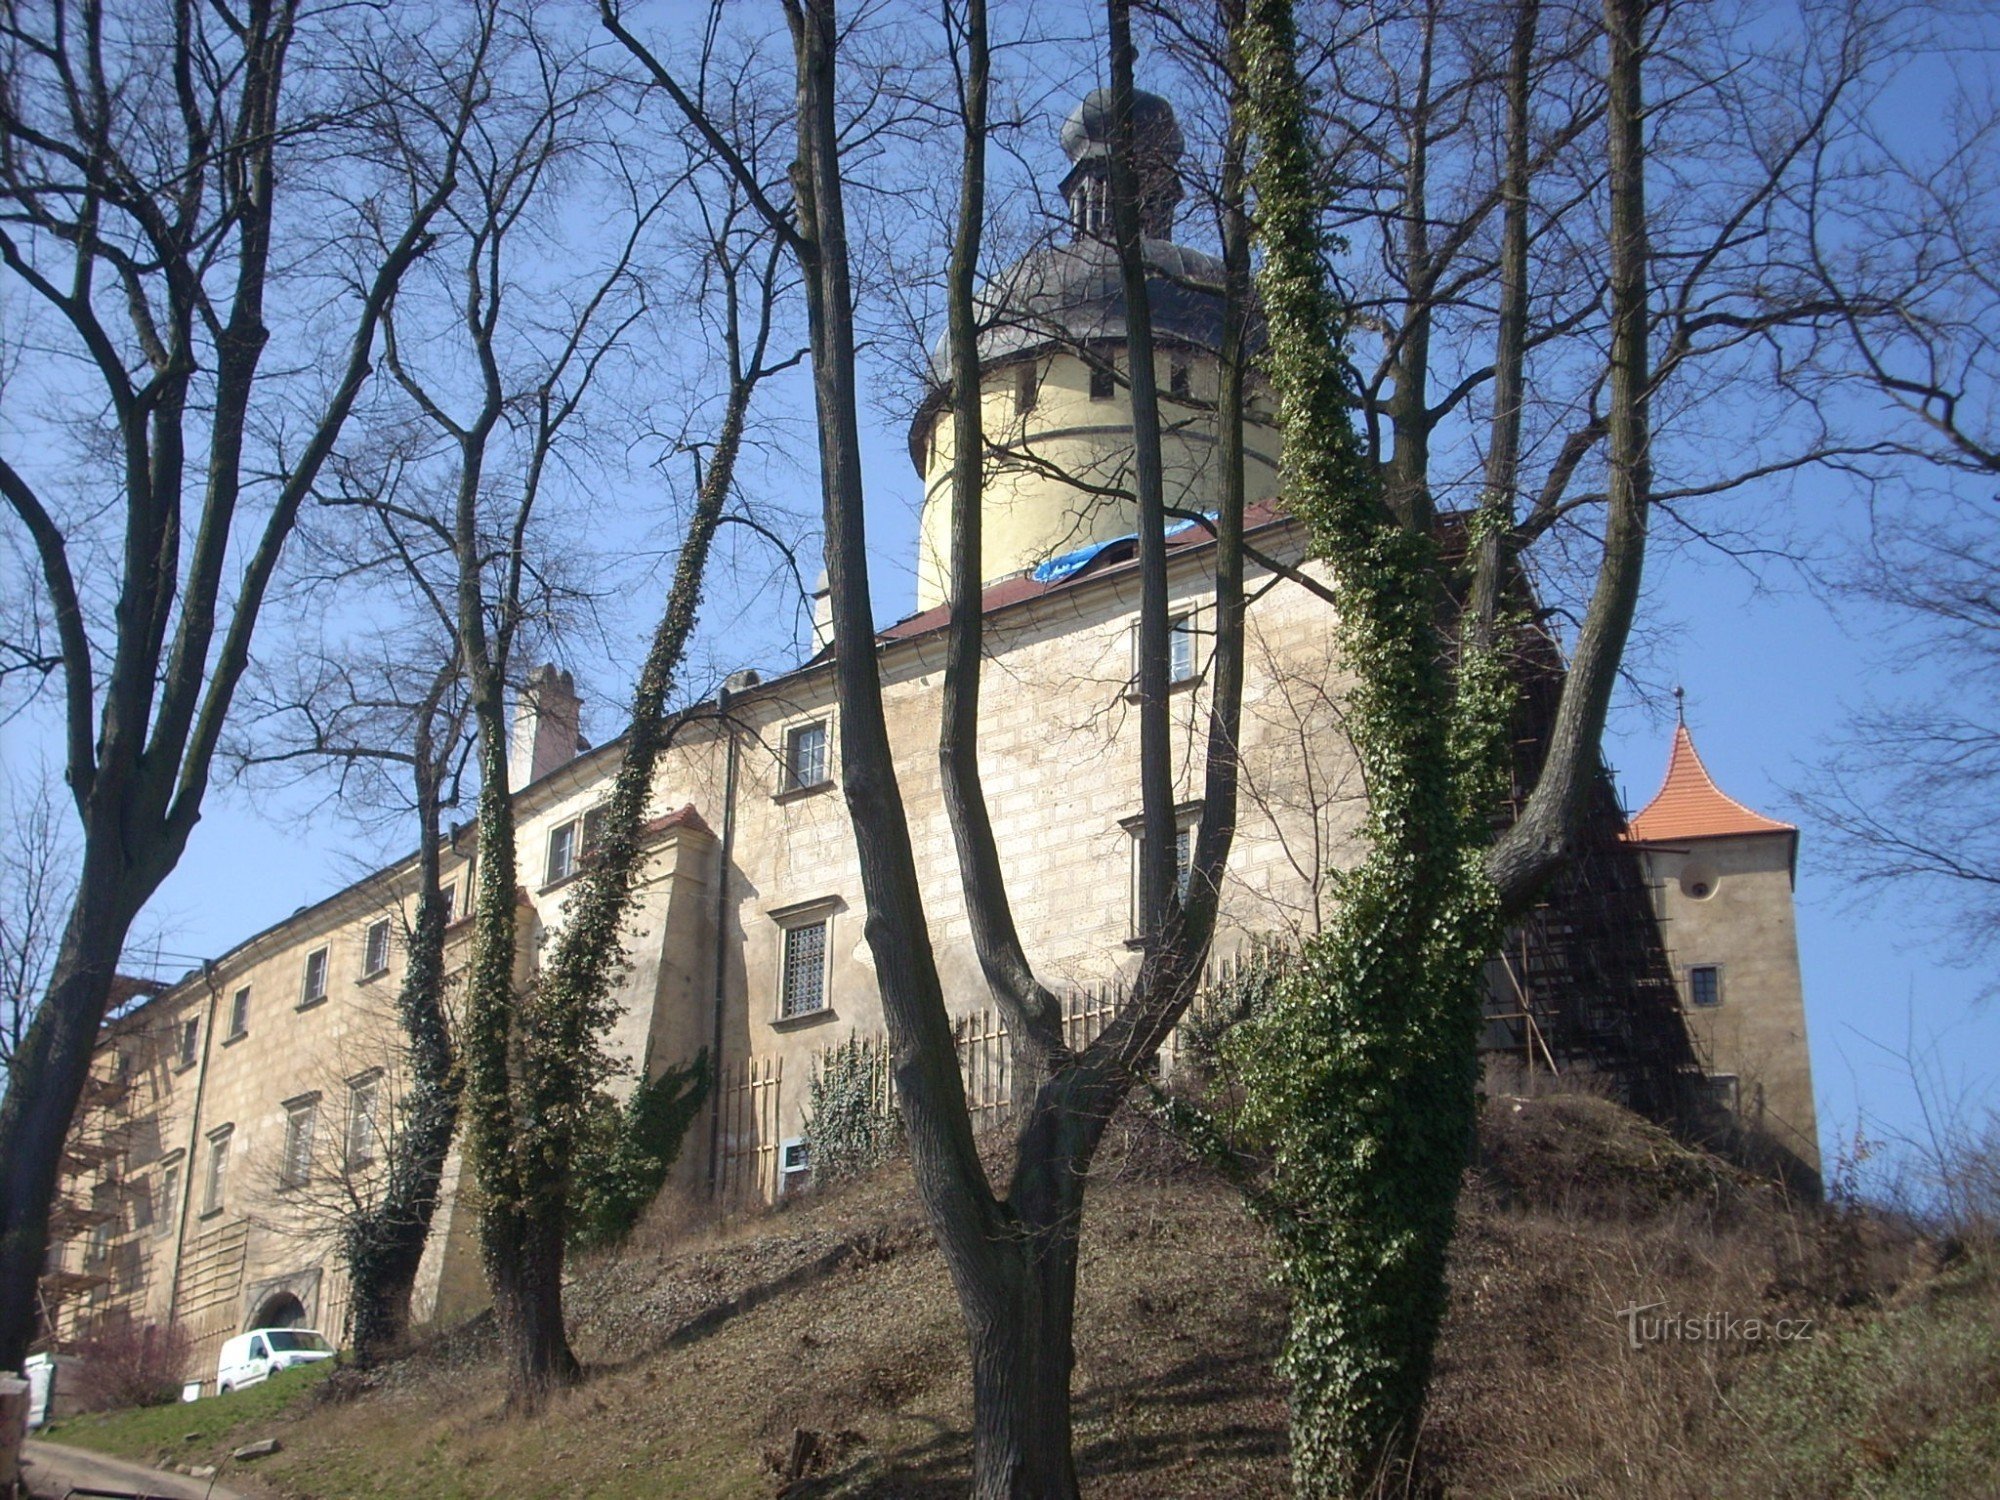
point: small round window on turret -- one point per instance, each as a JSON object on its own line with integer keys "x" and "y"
{"x": 1697, "y": 881}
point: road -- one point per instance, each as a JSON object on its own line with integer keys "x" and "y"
{"x": 52, "y": 1470}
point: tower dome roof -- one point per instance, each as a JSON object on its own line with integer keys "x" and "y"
{"x": 1071, "y": 295}
{"x": 1155, "y": 130}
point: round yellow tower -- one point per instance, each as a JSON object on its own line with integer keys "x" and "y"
{"x": 1053, "y": 384}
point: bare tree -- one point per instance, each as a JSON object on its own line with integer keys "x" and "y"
{"x": 1901, "y": 229}
{"x": 508, "y": 372}
{"x": 391, "y": 728}
{"x": 181, "y": 190}
{"x": 1896, "y": 789}
{"x": 37, "y": 880}
{"x": 558, "y": 1046}
{"x": 1012, "y": 1255}
{"x": 1902, "y": 232}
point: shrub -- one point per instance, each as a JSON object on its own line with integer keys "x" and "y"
{"x": 851, "y": 1125}
{"x": 130, "y": 1367}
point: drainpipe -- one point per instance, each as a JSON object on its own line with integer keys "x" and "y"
{"x": 721, "y": 940}
{"x": 194, "y": 1136}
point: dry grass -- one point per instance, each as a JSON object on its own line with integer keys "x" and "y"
{"x": 822, "y": 1339}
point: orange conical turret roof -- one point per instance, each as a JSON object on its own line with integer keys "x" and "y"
{"x": 1689, "y": 805}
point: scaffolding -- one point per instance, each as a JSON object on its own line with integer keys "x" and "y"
{"x": 72, "y": 1299}
{"x": 1583, "y": 984}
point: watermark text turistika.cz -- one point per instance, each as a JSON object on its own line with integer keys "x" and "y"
{"x": 1706, "y": 1328}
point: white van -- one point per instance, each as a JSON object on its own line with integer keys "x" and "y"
{"x": 51, "y": 1387}
{"x": 262, "y": 1352}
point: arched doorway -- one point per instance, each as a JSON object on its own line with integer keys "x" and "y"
{"x": 280, "y": 1310}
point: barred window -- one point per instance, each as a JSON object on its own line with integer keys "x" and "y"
{"x": 1183, "y": 655}
{"x": 1705, "y": 985}
{"x": 804, "y": 979}
{"x": 1187, "y": 819}
{"x": 167, "y": 1203}
{"x": 1180, "y": 649}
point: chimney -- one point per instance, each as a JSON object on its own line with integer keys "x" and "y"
{"x": 822, "y": 602}
{"x": 547, "y": 716}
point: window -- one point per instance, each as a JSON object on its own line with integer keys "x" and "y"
{"x": 98, "y": 1247}
{"x": 301, "y": 1115}
{"x": 1180, "y": 649}
{"x": 1183, "y": 651}
{"x": 1705, "y": 985}
{"x": 562, "y": 853}
{"x": 364, "y": 1107}
{"x": 1103, "y": 380}
{"x": 167, "y": 1196}
{"x": 448, "y": 901}
{"x": 216, "y": 1185}
{"x": 375, "y": 949}
{"x": 1187, "y": 818}
{"x": 802, "y": 986}
{"x": 570, "y": 842}
{"x": 1027, "y": 387}
{"x": 805, "y": 756}
{"x": 1180, "y": 376}
{"x": 1724, "y": 1091}
{"x": 297, "y": 1341}
{"x": 314, "y": 988}
{"x": 239, "y": 1013}
{"x": 189, "y": 1051}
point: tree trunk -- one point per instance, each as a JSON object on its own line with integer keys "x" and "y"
{"x": 384, "y": 1245}
{"x": 527, "y": 1298}
{"x": 53, "y": 1065}
{"x": 1023, "y": 1350}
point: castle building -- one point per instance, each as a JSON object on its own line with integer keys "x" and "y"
{"x": 230, "y": 1116}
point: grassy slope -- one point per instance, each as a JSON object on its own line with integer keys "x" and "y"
{"x": 1578, "y": 1211}
{"x": 189, "y": 1432}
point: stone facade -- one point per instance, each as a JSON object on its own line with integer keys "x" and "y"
{"x": 280, "y": 1090}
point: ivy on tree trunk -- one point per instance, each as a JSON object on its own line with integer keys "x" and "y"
{"x": 1361, "y": 1076}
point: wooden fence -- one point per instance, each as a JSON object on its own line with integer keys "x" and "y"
{"x": 752, "y": 1096}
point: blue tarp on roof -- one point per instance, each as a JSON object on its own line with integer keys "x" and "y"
{"x": 1069, "y": 564}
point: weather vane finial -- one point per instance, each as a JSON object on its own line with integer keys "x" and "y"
{"x": 1680, "y": 704}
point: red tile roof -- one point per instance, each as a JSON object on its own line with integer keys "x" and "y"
{"x": 1689, "y": 805}
{"x": 684, "y": 817}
